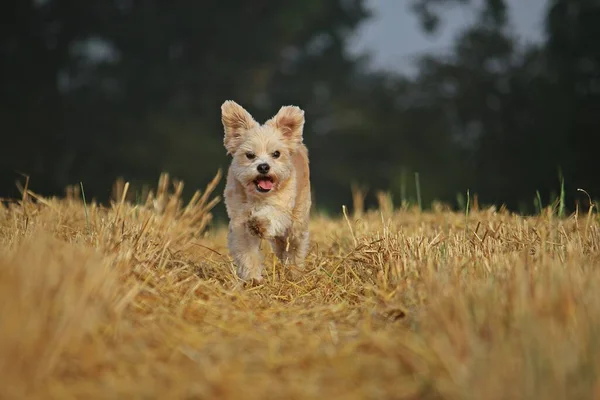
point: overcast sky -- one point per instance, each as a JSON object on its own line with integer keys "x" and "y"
{"x": 393, "y": 35}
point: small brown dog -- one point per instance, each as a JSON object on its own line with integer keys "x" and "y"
{"x": 267, "y": 194}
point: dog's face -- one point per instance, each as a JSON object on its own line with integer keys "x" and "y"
{"x": 262, "y": 154}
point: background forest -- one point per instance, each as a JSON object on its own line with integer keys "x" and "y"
{"x": 97, "y": 89}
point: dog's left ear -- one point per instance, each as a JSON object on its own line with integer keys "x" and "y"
{"x": 290, "y": 122}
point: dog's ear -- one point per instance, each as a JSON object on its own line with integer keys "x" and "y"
{"x": 290, "y": 122}
{"x": 236, "y": 121}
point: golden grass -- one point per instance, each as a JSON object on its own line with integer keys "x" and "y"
{"x": 140, "y": 301}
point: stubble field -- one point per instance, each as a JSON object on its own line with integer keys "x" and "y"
{"x": 140, "y": 301}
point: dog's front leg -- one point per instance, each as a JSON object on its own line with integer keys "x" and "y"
{"x": 291, "y": 250}
{"x": 245, "y": 250}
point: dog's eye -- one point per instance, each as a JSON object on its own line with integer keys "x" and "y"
{"x": 276, "y": 154}
{"x": 250, "y": 156}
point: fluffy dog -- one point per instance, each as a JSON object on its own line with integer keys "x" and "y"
{"x": 267, "y": 194}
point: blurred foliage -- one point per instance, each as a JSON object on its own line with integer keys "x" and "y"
{"x": 94, "y": 90}
{"x": 524, "y": 112}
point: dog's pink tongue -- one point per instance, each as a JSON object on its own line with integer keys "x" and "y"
{"x": 265, "y": 184}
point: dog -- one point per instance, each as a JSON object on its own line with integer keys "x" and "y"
{"x": 267, "y": 193}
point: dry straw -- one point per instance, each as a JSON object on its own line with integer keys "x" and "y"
{"x": 397, "y": 304}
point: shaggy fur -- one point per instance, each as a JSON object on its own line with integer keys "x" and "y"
{"x": 267, "y": 194}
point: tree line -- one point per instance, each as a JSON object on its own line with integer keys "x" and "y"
{"x": 90, "y": 91}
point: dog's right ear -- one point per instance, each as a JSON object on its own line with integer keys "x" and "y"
{"x": 236, "y": 122}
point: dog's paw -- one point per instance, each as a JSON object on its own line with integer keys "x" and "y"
{"x": 252, "y": 277}
{"x": 257, "y": 227}
{"x": 296, "y": 272}
{"x": 253, "y": 282}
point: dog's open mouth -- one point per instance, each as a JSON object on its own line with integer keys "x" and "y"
{"x": 264, "y": 184}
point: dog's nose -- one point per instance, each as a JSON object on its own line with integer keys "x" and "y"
{"x": 263, "y": 168}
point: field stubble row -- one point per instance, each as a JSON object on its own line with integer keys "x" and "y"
{"x": 140, "y": 301}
